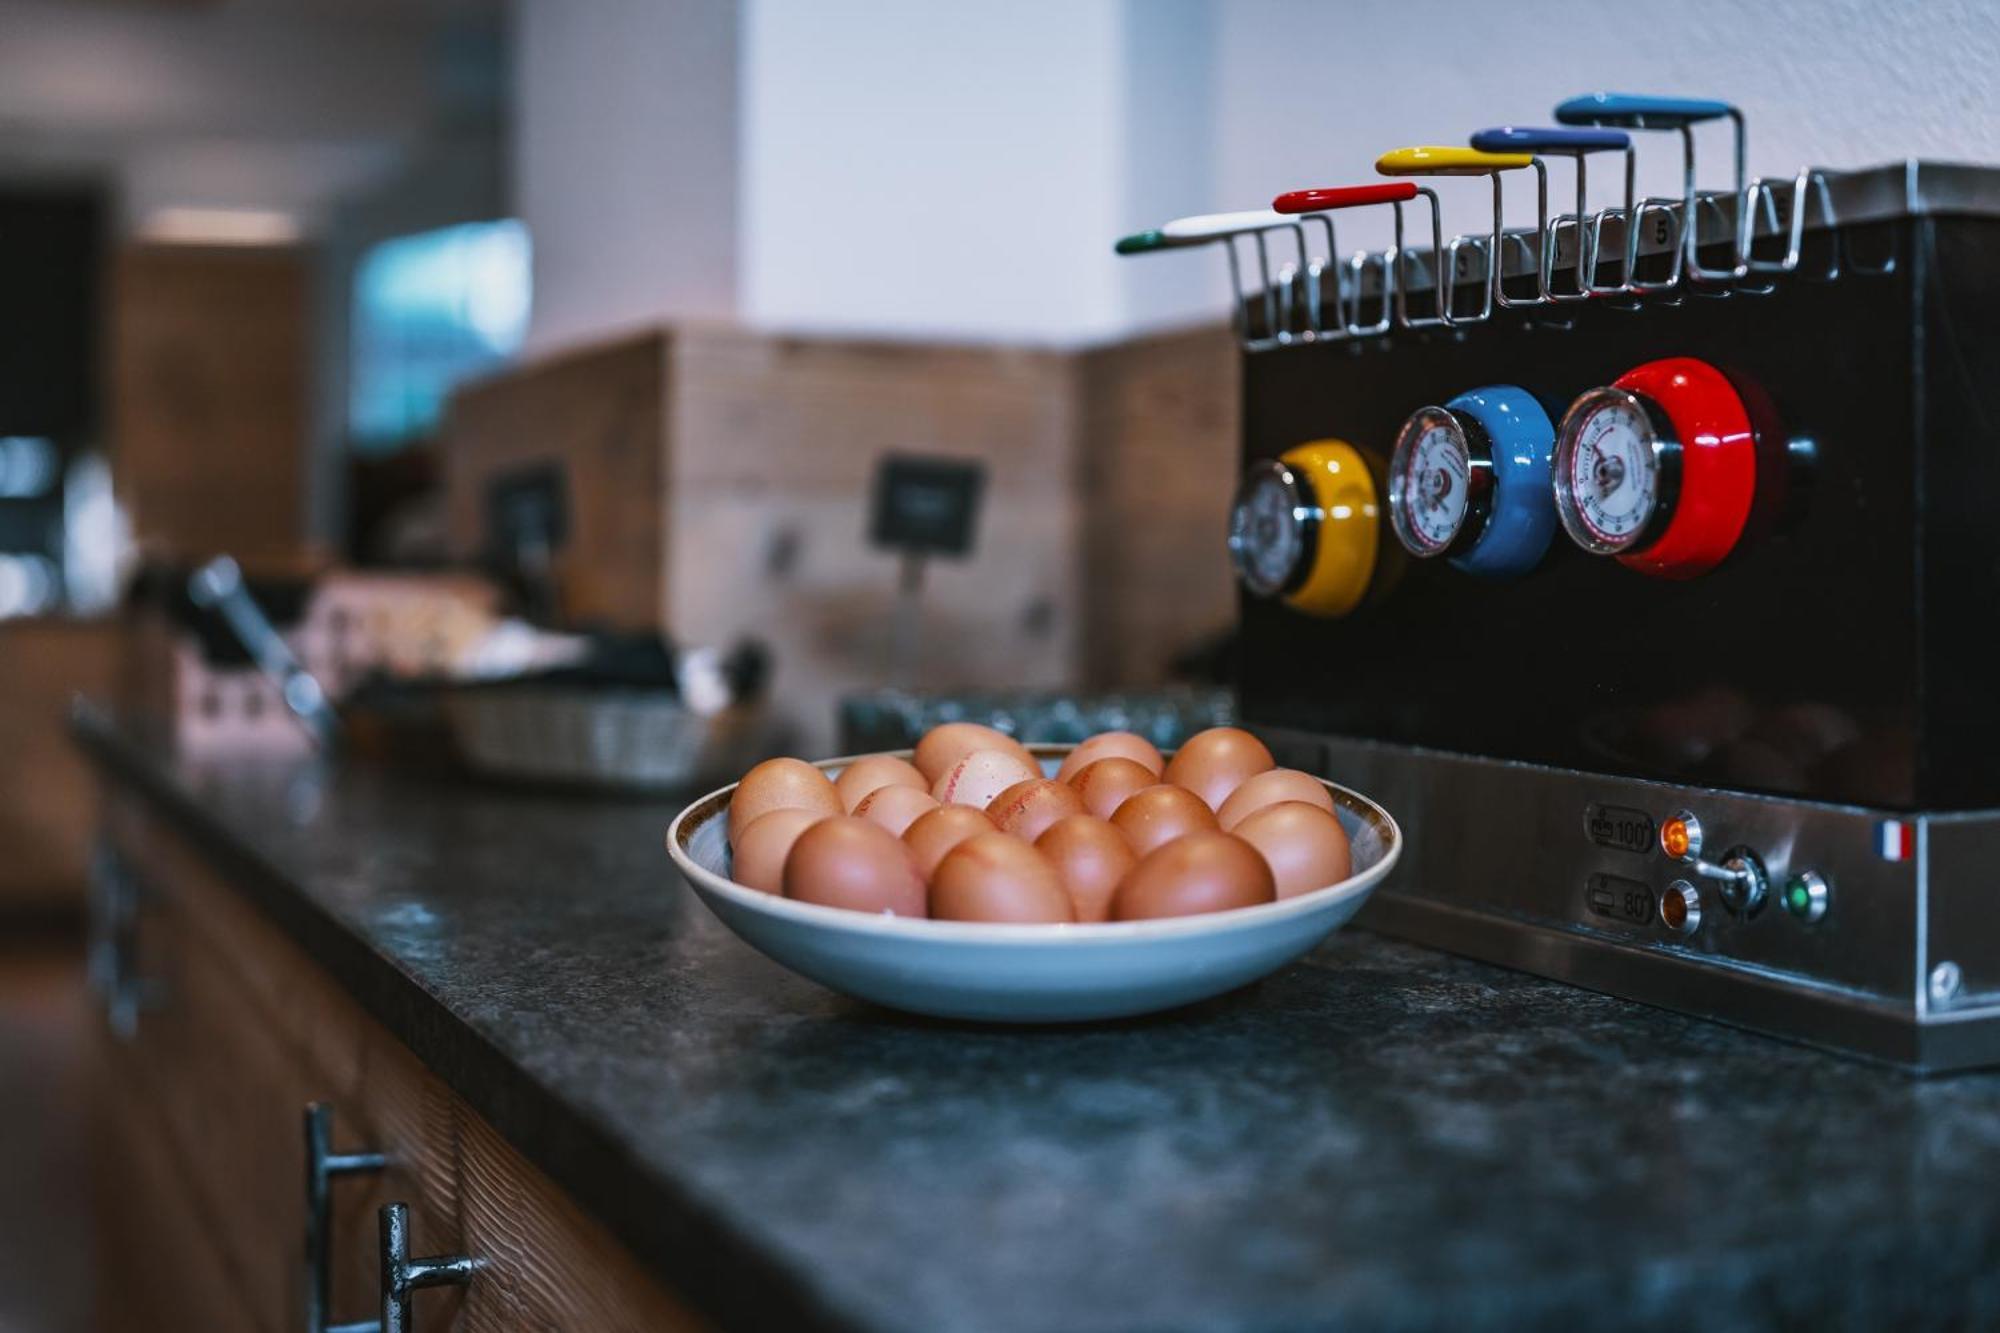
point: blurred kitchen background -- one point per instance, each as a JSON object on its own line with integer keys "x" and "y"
{"x": 604, "y": 316}
{"x": 573, "y": 341}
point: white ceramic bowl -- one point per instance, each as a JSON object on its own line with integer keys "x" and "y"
{"x": 1029, "y": 973}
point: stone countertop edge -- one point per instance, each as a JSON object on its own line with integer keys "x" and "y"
{"x": 692, "y": 1251}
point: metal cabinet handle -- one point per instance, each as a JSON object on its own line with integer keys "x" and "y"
{"x": 115, "y": 900}
{"x": 323, "y": 1166}
{"x": 403, "y": 1276}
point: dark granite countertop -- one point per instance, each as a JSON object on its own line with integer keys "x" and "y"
{"x": 1379, "y": 1137}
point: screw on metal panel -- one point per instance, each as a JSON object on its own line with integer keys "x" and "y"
{"x": 1945, "y": 981}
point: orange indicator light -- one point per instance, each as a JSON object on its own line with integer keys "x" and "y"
{"x": 1675, "y": 838}
{"x": 1673, "y": 911}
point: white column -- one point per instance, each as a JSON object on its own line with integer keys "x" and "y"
{"x": 625, "y": 162}
{"x": 962, "y": 170}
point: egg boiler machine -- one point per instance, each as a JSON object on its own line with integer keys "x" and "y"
{"x": 1646, "y": 564}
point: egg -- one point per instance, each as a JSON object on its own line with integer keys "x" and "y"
{"x": 1214, "y": 763}
{"x": 758, "y": 858}
{"x": 1304, "y": 845}
{"x": 1202, "y": 872}
{"x": 1159, "y": 814}
{"x": 980, "y": 776}
{"x": 778, "y": 784}
{"x": 849, "y": 862}
{"x": 1091, "y": 856}
{"x": 931, "y": 835}
{"x": 994, "y": 877}
{"x": 1104, "y": 785}
{"x": 942, "y": 747}
{"x": 1269, "y": 788}
{"x": 874, "y": 771}
{"x": 1027, "y": 808}
{"x": 1112, "y": 745}
{"x": 895, "y": 808}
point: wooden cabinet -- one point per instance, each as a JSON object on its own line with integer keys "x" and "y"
{"x": 47, "y": 802}
{"x": 210, "y": 397}
{"x": 202, "y": 1148}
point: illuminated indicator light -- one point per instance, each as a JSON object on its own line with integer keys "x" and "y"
{"x": 1680, "y": 836}
{"x": 1806, "y": 895}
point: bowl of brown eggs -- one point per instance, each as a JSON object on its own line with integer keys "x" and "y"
{"x": 978, "y": 878}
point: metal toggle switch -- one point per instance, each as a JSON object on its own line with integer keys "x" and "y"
{"x": 1741, "y": 882}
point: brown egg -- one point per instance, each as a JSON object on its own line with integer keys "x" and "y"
{"x": 942, "y": 747}
{"x": 1304, "y": 845}
{"x": 1214, "y": 763}
{"x": 1105, "y": 784}
{"x": 1026, "y": 808}
{"x": 980, "y": 776}
{"x": 778, "y": 784}
{"x": 934, "y": 834}
{"x": 1159, "y": 814}
{"x": 994, "y": 877}
{"x": 895, "y": 808}
{"x": 849, "y": 862}
{"x": 1202, "y": 872}
{"x": 758, "y": 859}
{"x": 1112, "y": 745}
{"x": 873, "y": 771}
{"x": 1269, "y": 788}
{"x": 1091, "y": 856}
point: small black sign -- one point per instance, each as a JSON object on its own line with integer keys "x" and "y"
{"x": 527, "y": 512}
{"x": 926, "y": 506}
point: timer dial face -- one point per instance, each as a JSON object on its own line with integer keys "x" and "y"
{"x": 1270, "y": 529}
{"x": 1430, "y": 482}
{"x": 1607, "y": 471}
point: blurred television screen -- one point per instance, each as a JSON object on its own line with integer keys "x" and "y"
{"x": 430, "y": 310}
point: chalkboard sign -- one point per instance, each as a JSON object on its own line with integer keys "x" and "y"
{"x": 926, "y": 506}
{"x": 527, "y": 514}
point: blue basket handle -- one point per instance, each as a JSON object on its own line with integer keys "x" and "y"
{"x": 1635, "y": 112}
{"x": 1550, "y": 141}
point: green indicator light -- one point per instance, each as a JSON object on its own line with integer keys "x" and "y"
{"x": 1797, "y": 898}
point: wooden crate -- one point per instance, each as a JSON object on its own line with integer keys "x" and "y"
{"x": 717, "y": 482}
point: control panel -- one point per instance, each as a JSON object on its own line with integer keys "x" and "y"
{"x": 1713, "y": 879}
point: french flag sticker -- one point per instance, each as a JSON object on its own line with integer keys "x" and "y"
{"x": 1895, "y": 840}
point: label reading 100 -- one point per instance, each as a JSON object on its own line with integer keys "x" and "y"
{"x": 1619, "y": 828}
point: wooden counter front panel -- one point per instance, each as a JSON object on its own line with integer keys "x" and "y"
{"x": 246, "y": 1032}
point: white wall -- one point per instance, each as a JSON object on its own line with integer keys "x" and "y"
{"x": 920, "y": 167}
{"x": 910, "y": 167}
{"x": 625, "y": 162}
{"x": 1312, "y": 91}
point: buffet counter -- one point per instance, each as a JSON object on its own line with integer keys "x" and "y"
{"x": 626, "y": 1119}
